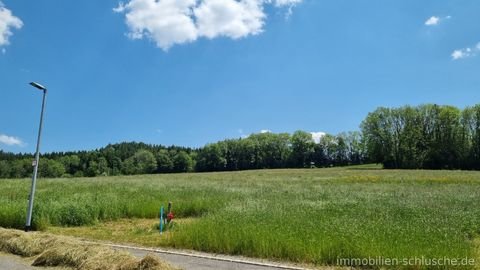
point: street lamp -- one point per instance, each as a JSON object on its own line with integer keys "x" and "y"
{"x": 28, "y": 224}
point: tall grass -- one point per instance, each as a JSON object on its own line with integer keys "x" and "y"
{"x": 75, "y": 202}
{"x": 312, "y": 216}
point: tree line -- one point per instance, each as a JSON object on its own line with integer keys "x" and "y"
{"x": 410, "y": 137}
{"x": 257, "y": 151}
{"x": 424, "y": 137}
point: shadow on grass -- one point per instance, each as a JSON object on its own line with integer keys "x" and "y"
{"x": 365, "y": 167}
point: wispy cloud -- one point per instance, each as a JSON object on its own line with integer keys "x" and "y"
{"x": 7, "y": 22}
{"x": 11, "y": 141}
{"x": 435, "y": 20}
{"x": 242, "y": 134}
{"x": 466, "y": 52}
{"x": 171, "y": 22}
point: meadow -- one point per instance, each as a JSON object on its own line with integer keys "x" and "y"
{"x": 304, "y": 215}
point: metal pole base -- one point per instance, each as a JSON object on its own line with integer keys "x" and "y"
{"x": 28, "y": 228}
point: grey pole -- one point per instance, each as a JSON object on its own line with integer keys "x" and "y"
{"x": 28, "y": 224}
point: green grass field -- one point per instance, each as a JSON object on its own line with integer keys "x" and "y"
{"x": 307, "y": 216}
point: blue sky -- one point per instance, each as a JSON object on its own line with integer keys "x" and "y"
{"x": 190, "y": 72}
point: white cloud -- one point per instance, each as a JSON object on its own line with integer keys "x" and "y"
{"x": 9, "y": 140}
{"x": 466, "y": 52}
{"x": 281, "y": 3}
{"x": 166, "y": 21}
{"x": 316, "y": 136}
{"x": 265, "y": 131}
{"x": 170, "y": 22}
{"x": 7, "y": 22}
{"x": 432, "y": 21}
{"x": 229, "y": 18}
{"x": 435, "y": 20}
{"x": 458, "y": 54}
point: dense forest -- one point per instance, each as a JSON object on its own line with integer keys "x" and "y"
{"x": 258, "y": 151}
{"x": 422, "y": 137}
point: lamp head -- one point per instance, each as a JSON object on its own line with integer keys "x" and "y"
{"x": 38, "y": 86}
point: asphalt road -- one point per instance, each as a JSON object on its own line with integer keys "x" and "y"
{"x": 10, "y": 262}
{"x": 195, "y": 263}
{"x": 13, "y": 263}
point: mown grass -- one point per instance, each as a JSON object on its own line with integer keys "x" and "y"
{"x": 132, "y": 231}
{"x": 308, "y": 216}
{"x": 51, "y": 250}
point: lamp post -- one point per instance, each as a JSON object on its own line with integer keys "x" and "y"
{"x": 28, "y": 224}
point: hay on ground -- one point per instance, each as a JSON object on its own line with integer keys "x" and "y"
{"x": 51, "y": 250}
